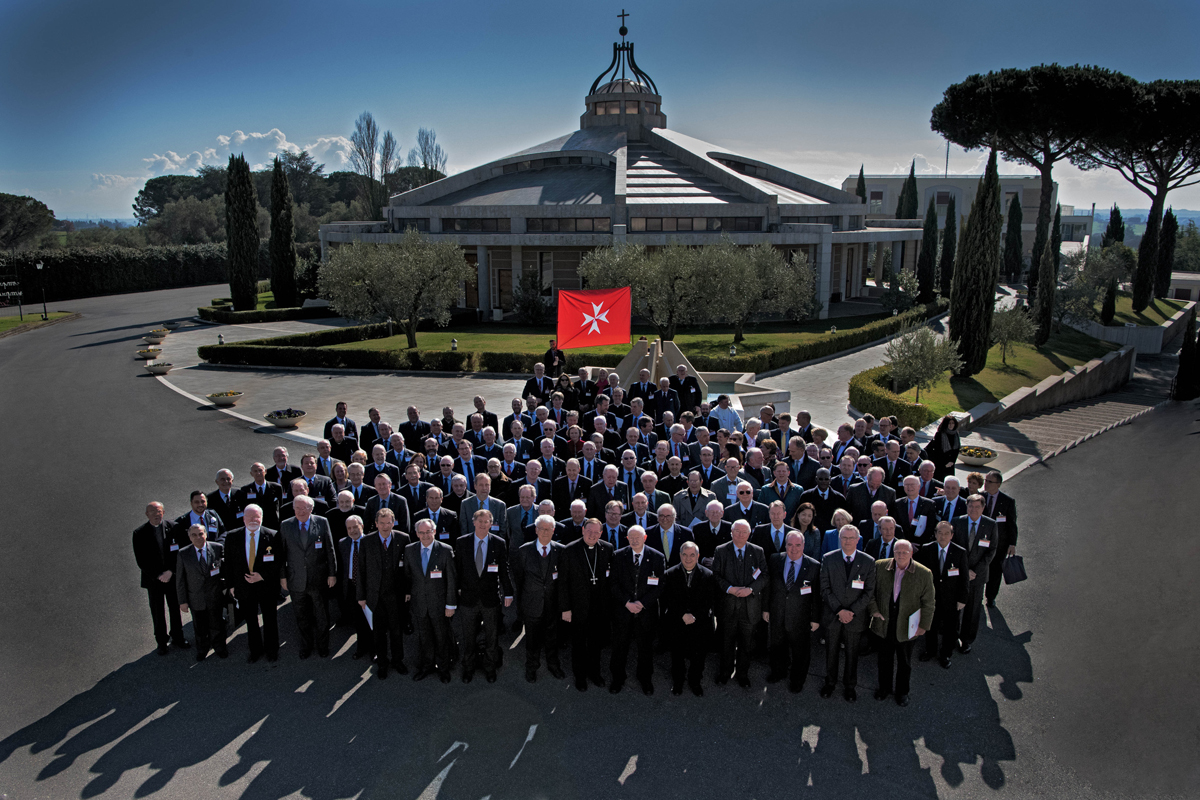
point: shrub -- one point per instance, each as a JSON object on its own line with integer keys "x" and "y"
{"x": 869, "y": 393}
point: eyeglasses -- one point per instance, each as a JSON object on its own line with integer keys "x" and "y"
{"x": 743, "y": 491}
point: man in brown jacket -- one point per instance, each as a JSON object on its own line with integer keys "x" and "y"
{"x": 903, "y": 590}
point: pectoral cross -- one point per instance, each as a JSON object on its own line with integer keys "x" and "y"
{"x": 593, "y": 580}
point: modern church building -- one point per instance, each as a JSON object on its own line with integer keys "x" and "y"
{"x": 625, "y": 177}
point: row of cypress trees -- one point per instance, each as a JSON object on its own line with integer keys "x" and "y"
{"x": 241, "y": 229}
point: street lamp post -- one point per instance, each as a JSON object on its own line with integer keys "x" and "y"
{"x": 45, "y": 316}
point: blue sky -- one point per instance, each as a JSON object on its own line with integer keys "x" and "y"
{"x": 98, "y": 97}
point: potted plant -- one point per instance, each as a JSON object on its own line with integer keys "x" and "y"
{"x": 224, "y": 399}
{"x": 976, "y": 456}
{"x": 158, "y": 367}
{"x": 285, "y": 418}
{"x": 155, "y": 337}
{"x": 149, "y": 353}
{"x": 172, "y": 326}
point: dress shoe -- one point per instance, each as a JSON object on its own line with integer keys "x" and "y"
{"x": 596, "y": 680}
{"x": 305, "y": 654}
{"x": 422, "y": 674}
{"x": 945, "y": 662}
{"x": 250, "y": 659}
{"x": 222, "y": 653}
{"x": 615, "y": 688}
{"x": 880, "y": 694}
{"x": 467, "y": 677}
{"x": 162, "y": 650}
{"x": 775, "y": 677}
{"x": 182, "y": 644}
{"x": 322, "y": 652}
{"x": 581, "y": 685}
{"x": 902, "y": 700}
{"x": 647, "y": 688}
{"x": 964, "y": 648}
{"x": 926, "y": 657}
{"x": 743, "y": 682}
{"x": 444, "y": 677}
{"x": 381, "y": 671}
{"x": 531, "y": 676}
{"x": 697, "y": 690}
{"x": 400, "y": 668}
{"x": 850, "y": 695}
{"x": 556, "y": 671}
{"x": 357, "y": 654}
{"x": 677, "y": 689}
{"x": 201, "y": 655}
{"x": 796, "y": 688}
{"x": 827, "y": 690}
{"x": 491, "y": 677}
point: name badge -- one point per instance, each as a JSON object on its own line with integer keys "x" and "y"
{"x": 240, "y": 515}
{"x": 174, "y": 547}
{"x": 805, "y": 590}
{"x": 554, "y": 575}
{"x": 401, "y": 564}
{"x": 1002, "y": 518}
{"x": 269, "y": 557}
{"x": 444, "y": 535}
{"x": 952, "y": 572}
{"x": 212, "y": 527}
{"x": 214, "y": 572}
{"x": 858, "y": 585}
{"x": 607, "y": 572}
{"x": 652, "y": 580}
{"x": 435, "y": 573}
{"x": 985, "y": 542}
{"x": 493, "y": 568}
{"x": 251, "y": 496}
{"x": 320, "y": 544}
{"x": 757, "y": 572}
{"x": 495, "y": 528}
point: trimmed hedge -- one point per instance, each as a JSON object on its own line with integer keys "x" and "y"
{"x": 870, "y": 394}
{"x": 220, "y": 314}
{"x": 491, "y": 361}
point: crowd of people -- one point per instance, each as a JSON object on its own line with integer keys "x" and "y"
{"x": 592, "y": 518}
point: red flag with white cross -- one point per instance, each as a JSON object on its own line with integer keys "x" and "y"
{"x": 593, "y": 317}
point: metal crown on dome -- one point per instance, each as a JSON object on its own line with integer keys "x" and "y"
{"x": 623, "y": 57}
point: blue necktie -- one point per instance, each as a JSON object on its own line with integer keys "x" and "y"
{"x": 424, "y": 559}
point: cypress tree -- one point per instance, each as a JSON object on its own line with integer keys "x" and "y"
{"x": 907, "y": 206}
{"x": 1013, "y": 243}
{"x": 241, "y": 234}
{"x": 1147, "y": 265}
{"x": 1047, "y": 281}
{"x": 926, "y": 288}
{"x": 1187, "y": 378}
{"x": 1115, "y": 232}
{"x": 973, "y": 295}
{"x": 1108, "y": 309}
{"x": 1166, "y": 253}
{"x": 949, "y": 241}
{"x": 861, "y": 188}
{"x": 283, "y": 240}
{"x": 1056, "y": 241}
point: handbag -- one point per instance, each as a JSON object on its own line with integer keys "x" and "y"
{"x": 1014, "y": 570}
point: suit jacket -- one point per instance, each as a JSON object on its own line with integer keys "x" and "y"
{"x": 699, "y": 599}
{"x": 363, "y": 495}
{"x": 200, "y": 586}
{"x": 542, "y": 388}
{"x": 576, "y": 589}
{"x": 373, "y": 470}
{"x": 598, "y": 497}
{"x": 269, "y": 498}
{"x": 285, "y": 478}
{"x": 708, "y": 538}
{"x": 518, "y": 531}
{"x": 957, "y": 510}
{"x": 347, "y": 587}
{"x": 495, "y": 582}
{"x": 949, "y": 589}
{"x": 211, "y": 521}
{"x": 643, "y": 584}
{"x": 916, "y": 594}
{"x": 499, "y": 516}
{"x": 337, "y": 520}
{"x": 535, "y": 580}
{"x": 860, "y": 499}
{"x": 837, "y": 588}
{"x": 308, "y": 557}
{"x": 267, "y": 561}
{"x": 920, "y": 530}
{"x": 900, "y": 471}
{"x": 756, "y": 515}
{"x": 979, "y": 554}
{"x": 567, "y": 531}
{"x": 413, "y": 433}
{"x": 544, "y": 488}
{"x": 154, "y": 558}
{"x": 381, "y": 572}
{"x": 226, "y": 509}
{"x": 448, "y": 528}
{"x": 1005, "y": 514}
{"x": 631, "y": 519}
{"x": 793, "y": 610}
{"x": 416, "y": 502}
{"x": 706, "y": 479}
{"x": 563, "y": 496}
{"x": 679, "y": 535}
{"x": 688, "y": 511}
{"x": 396, "y": 503}
{"x": 840, "y": 484}
{"x": 825, "y": 507}
{"x": 839, "y": 448}
{"x": 930, "y": 489}
{"x": 876, "y": 549}
{"x": 804, "y": 472}
{"x": 750, "y": 571}
{"x": 722, "y": 487}
{"x": 688, "y": 392}
{"x": 792, "y": 497}
{"x": 288, "y": 510}
{"x": 369, "y": 437}
{"x": 478, "y": 467}
{"x": 659, "y": 402}
{"x": 430, "y": 592}
{"x": 349, "y": 425}
{"x": 763, "y": 537}
{"x": 400, "y": 459}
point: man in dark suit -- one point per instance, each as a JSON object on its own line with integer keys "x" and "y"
{"x": 251, "y": 566}
{"x": 282, "y": 472}
{"x": 637, "y": 573}
{"x": 687, "y": 388}
{"x": 484, "y": 582}
{"x": 340, "y": 418}
{"x": 319, "y": 486}
{"x": 978, "y": 535}
{"x": 156, "y": 550}
{"x": 413, "y": 490}
{"x": 691, "y": 501}
{"x": 607, "y": 490}
{"x": 338, "y": 515}
{"x": 772, "y": 535}
{"x": 666, "y": 537}
{"x": 862, "y": 495}
{"x": 383, "y": 590}
{"x": 363, "y": 492}
{"x": 299, "y": 488}
{"x": 268, "y": 496}
{"x": 804, "y": 467}
{"x": 588, "y": 421}
{"x": 793, "y": 602}
{"x": 914, "y": 514}
{"x": 539, "y": 386}
{"x": 1002, "y": 508}
{"x": 379, "y": 465}
{"x": 895, "y": 469}
{"x": 535, "y": 575}
{"x": 432, "y": 583}
{"x": 571, "y": 529}
{"x": 688, "y": 600}
{"x": 414, "y": 429}
{"x": 665, "y": 399}
{"x": 585, "y": 599}
{"x": 341, "y": 447}
{"x": 350, "y": 569}
{"x": 569, "y": 487}
{"x": 386, "y": 498}
{"x": 199, "y": 514}
{"x": 746, "y": 508}
{"x": 711, "y": 532}
{"x": 642, "y": 388}
{"x": 371, "y": 433}
{"x": 309, "y": 565}
{"x": 613, "y": 530}
{"x": 824, "y": 500}
{"x": 640, "y": 513}
{"x": 884, "y": 545}
{"x": 951, "y": 504}
{"x": 222, "y": 502}
{"x": 846, "y": 476}
{"x": 951, "y": 582}
{"x": 199, "y": 589}
{"x": 847, "y": 587}
{"x": 447, "y": 526}
{"x": 741, "y": 572}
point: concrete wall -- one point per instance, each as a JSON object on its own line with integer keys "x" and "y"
{"x": 1148, "y": 340}
{"x": 1098, "y": 376}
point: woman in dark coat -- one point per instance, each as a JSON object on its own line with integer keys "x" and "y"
{"x": 943, "y": 449}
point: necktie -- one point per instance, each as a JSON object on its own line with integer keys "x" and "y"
{"x": 528, "y": 521}
{"x": 637, "y": 560}
{"x": 992, "y": 506}
{"x": 791, "y": 576}
{"x": 739, "y": 553}
{"x": 470, "y": 477}
{"x": 612, "y": 536}
{"x": 942, "y": 559}
{"x": 355, "y": 563}
{"x": 545, "y": 551}
{"x": 779, "y": 540}
{"x": 479, "y": 557}
{"x": 203, "y": 560}
{"x": 253, "y": 550}
{"x": 972, "y": 540}
{"x": 425, "y": 559}
{"x": 304, "y": 527}
{"x": 912, "y": 510}
{"x": 666, "y": 546}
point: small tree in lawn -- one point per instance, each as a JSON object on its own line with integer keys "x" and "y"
{"x": 1010, "y": 328}
{"x": 901, "y": 294}
{"x": 529, "y": 306}
{"x": 1187, "y": 378}
{"x": 1167, "y": 237}
{"x": 919, "y": 357}
{"x": 1044, "y": 301}
{"x": 1013, "y": 244}
{"x": 949, "y": 243}
{"x": 409, "y": 282}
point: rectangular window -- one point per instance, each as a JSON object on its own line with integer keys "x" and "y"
{"x": 668, "y": 223}
{"x": 598, "y": 109}
{"x": 637, "y": 224}
{"x": 489, "y": 225}
{"x": 533, "y": 225}
{"x": 651, "y": 108}
{"x": 550, "y": 225}
{"x": 510, "y": 168}
{"x": 714, "y": 224}
{"x": 613, "y": 106}
{"x": 684, "y": 223}
{"x": 1183, "y": 294}
{"x": 602, "y": 224}
{"x": 546, "y": 273}
{"x": 584, "y": 225}
{"x": 631, "y": 106}
{"x": 943, "y": 198}
{"x": 699, "y": 224}
{"x": 654, "y": 224}
{"x": 504, "y": 225}
{"x": 566, "y": 226}
{"x": 574, "y": 159}
{"x": 876, "y": 205}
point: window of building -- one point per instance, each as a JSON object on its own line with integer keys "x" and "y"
{"x": 943, "y": 198}
{"x": 651, "y": 108}
{"x": 1183, "y": 294}
{"x": 637, "y": 225}
{"x": 683, "y": 224}
{"x": 494, "y": 225}
{"x": 568, "y": 225}
{"x": 546, "y": 273}
{"x": 613, "y": 107}
{"x": 876, "y": 203}
{"x": 653, "y": 224}
{"x": 631, "y": 106}
{"x": 421, "y": 225}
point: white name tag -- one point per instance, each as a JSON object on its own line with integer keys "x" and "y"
{"x": 444, "y": 535}
{"x": 320, "y": 544}
{"x": 269, "y": 557}
{"x": 174, "y": 547}
{"x": 652, "y": 580}
{"x": 214, "y": 572}
{"x": 952, "y": 572}
{"x": 493, "y": 568}
{"x": 757, "y": 572}
{"x": 212, "y": 527}
{"x": 554, "y": 575}
{"x": 985, "y": 542}
{"x": 251, "y": 496}
{"x": 435, "y": 573}
{"x": 495, "y": 528}
{"x": 805, "y": 590}
{"x": 1002, "y": 519}
{"x": 607, "y": 572}
{"x": 240, "y": 515}
{"x": 858, "y": 584}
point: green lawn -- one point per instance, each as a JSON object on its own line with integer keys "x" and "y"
{"x": 8, "y": 323}
{"x": 265, "y": 300}
{"x": 1027, "y": 367}
{"x": 714, "y": 341}
{"x": 1158, "y": 312}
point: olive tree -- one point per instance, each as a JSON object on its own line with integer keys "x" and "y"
{"x": 919, "y": 357}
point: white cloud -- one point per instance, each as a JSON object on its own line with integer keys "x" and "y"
{"x": 101, "y": 182}
{"x": 260, "y": 150}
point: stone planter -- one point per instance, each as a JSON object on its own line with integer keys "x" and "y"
{"x": 977, "y": 457}
{"x": 158, "y": 367}
{"x": 172, "y": 326}
{"x": 291, "y": 420}
{"x": 224, "y": 400}
{"x": 153, "y": 338}
{"x": 146, "y": 355}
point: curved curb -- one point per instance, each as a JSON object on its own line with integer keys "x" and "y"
{"x": 283, "y": 433}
